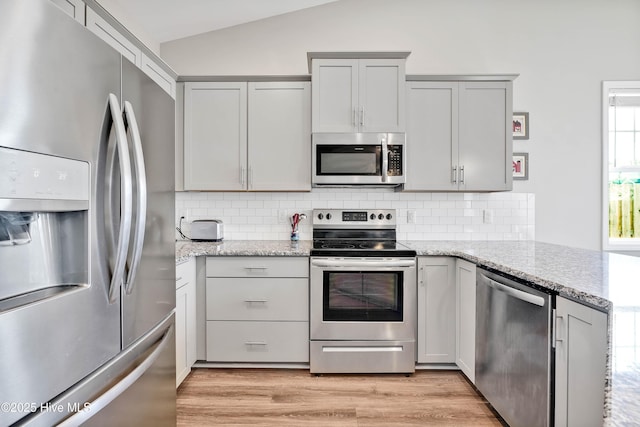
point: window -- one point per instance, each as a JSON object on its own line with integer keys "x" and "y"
{"x": 621, "y": 169}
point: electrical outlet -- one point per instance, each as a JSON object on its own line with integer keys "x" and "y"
{"x": 411, "y": 217}
{"x": 487, "y": 216}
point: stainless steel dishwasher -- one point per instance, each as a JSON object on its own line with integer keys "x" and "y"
{"x": 513, "y": 349}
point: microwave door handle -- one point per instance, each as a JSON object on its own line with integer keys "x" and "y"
{"x": 385, "y": 159}
{"x": 141, "y": 195}
{"x": 120, "y": 249}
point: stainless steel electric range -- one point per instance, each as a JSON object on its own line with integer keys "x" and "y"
{"x": 363, "y": 294}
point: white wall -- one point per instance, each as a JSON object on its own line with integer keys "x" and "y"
{"x": 562, "y": 49}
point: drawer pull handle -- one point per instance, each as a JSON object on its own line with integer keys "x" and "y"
{"x": 256, "y": 301}
{"x": 256, "y": 268}
{"x": 255, "y": 343}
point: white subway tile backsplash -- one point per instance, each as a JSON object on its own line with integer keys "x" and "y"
{"x": 438, "y": 216}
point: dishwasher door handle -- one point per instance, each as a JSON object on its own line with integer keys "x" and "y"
{"x": 516, "y": 293}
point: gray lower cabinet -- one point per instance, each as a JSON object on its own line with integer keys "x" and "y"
{"x": 459, "y": 135}
{"x": 466, "y": 318}
{"x": 257, "y": 309}
{"x": 185, "y": 319}
{"x": 436, "y": 310}
{"x": 253, "y": 136}
{"x": 581, "y": 360}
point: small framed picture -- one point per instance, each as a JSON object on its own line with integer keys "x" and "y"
{"x": 521, "y": 166}
{"x": 520, "y": 125}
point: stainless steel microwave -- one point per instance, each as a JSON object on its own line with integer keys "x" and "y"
{"x": 345, "y": 159}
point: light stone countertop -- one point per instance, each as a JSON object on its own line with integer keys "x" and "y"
{"x": 188, "y": 249}
{"x": 605, "y": 281}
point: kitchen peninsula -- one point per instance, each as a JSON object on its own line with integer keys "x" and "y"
{"x": 599, "y": 280}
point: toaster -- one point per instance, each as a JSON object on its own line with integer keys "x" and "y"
{"x": 207, "y": 230}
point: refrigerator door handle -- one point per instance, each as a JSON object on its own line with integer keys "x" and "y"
{"x": 141, "y": 195}
{"x": 120, "y": 387}
{"x": 120, "y": 249}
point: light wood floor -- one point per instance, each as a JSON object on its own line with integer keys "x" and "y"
{"x": 274, "y": 397}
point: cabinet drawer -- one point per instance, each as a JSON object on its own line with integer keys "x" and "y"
{"x": 258, "y": 341}
{"x": 258, "y": 299}
{"x": 257, "y": 267}
{"x": 185, "y": 273}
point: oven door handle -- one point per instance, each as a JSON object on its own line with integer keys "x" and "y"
{"x": 368, "y": 264}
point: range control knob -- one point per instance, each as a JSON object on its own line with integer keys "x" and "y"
{"x": 328, "y": 216}
{"x": 380, "y": 216}
{"x": 389, "y": 216}
{"x": 373, "y": 216}
{"x": 320, "y": 216}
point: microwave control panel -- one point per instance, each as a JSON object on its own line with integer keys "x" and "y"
{"x": 395, "y": 160}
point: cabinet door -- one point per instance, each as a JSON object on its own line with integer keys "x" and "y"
{"x": 113, "y": 38}
{"x": 279, "y": 136}
{"x": 432, "y": 136}
{"x": 185, "y": 318}
{"x": 334, "y": 98}
{"x": 485, "y": 139}
{"x": 182, "y": 366}
{"x": 158, "y": 75}
{"x": 215, "y": 136}
{"x": 73, "y": 8}
{"x": 262, "y": 342}
{"x": 436, "y": 310}
{"x": 581, "y": 364}
{"x": 257, "y": 266}
{"x": 192, "y": 325}
{"x": 466, "y": 318}
{"x": 381, "y": 95}
{"x": 239, "y": 298}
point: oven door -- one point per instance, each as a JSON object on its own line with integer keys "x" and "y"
{"x": 363, "y": 299}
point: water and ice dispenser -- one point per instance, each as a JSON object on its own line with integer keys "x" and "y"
{"x": 44, "y": 237}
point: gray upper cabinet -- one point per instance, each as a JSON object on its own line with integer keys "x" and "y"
{"x": 158, "y": 75}
{"x": 279, "y": 139}
{"x": 99, "y": 26}
{"x": 129, "y": 49}
{"x": 252, "y": 136}
{"x": 358, "y": 95}
{"x": 459, "y": 136}
{"x": 432, "y": 135}
{"x": 215, "y": 136}
{"x": 73, "y": 8}
{"x": 485, "y": 144}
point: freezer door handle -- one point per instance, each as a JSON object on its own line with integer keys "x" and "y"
{"x": 141, "y": 195}
{"x": 120, "y": 387}
{"x": 118, "y": 250}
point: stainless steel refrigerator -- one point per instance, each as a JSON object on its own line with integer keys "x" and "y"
{"x": 87, "y": 255}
